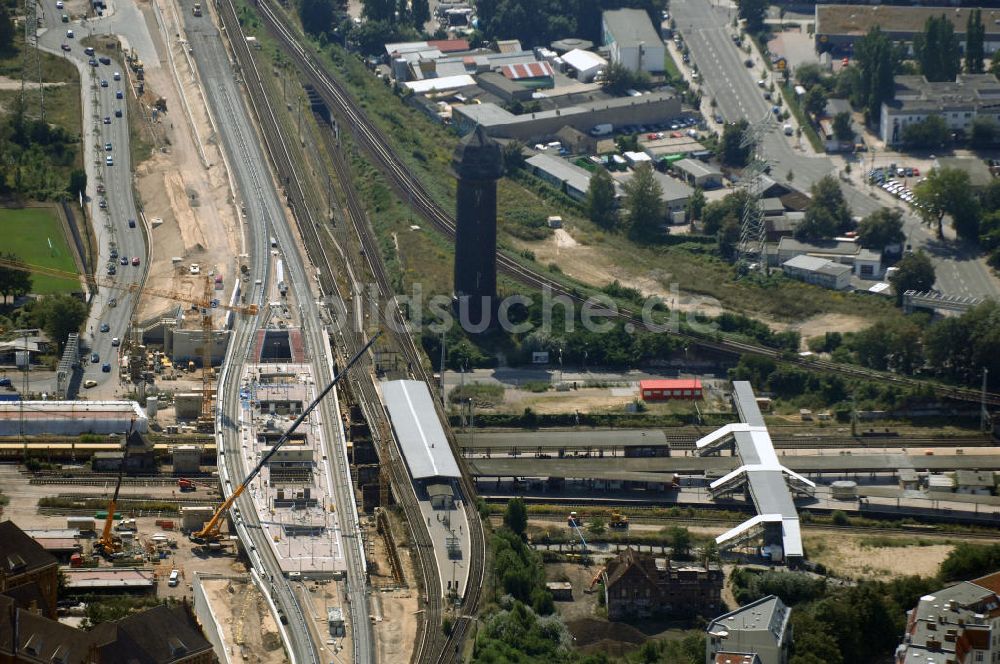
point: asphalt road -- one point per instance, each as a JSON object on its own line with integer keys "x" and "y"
{"x": 706, "y": 29}
{"x": 110, "y": 225}
{"x": 266, "y": 218}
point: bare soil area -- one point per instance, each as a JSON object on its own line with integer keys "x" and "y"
{"x": 247, "y": 624}
{"x": 395, "y": 609}
{"x": 817, "y": 326}
{"x": 847, "y": 556}
{"x": 188, "y": 205}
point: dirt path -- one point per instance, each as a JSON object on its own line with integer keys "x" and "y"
{"x": 190, "y": 207}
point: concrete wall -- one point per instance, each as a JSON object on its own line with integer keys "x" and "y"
{"x": 185, "y": 345}
{"x": 71, "y": 418}
{"x": 209, "y": 623}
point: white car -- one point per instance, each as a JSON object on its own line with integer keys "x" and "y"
{"x": 59, "y": 4}
{"x": 69, "y": 34}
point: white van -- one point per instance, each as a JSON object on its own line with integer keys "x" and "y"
{"x": 175, "y": 578}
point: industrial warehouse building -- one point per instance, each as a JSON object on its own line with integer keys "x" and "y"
{"x": 71, "y": 418}
{"x": 632, "y": 40}
{"x": 838, "y": 27}
{"x": 697, "y": 174}
{"x": 568, "y": 178}
{"x": 666, "y": 390}
{"x": 498, "y": 122}
{"x": 818, "y": 271}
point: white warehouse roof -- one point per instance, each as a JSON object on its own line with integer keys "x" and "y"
{"x": 581, "y": 60}
{"x": 444, "y": 83}
{"x": 419, "y": 430}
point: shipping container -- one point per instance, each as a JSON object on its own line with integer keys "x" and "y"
{"x": 84, "y": 523}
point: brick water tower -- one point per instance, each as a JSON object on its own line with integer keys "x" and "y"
{"x": 477, "y": 163}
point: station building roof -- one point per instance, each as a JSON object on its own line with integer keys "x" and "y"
{"x": 418, "y": 430}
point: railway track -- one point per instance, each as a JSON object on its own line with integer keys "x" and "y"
{"x": 636, "y": 517}
{"x": 432, "y": 643}
{"x": 339, "y": 100}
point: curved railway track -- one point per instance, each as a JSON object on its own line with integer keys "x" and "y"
{"x": 374, "y": 141}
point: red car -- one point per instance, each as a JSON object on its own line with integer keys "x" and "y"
{"x": 135, "y": 260}
{"x": 65, "y": 47}
{"x": 916, "y": 172}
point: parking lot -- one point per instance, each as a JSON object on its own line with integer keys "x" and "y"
{"x": 893, "y": 179}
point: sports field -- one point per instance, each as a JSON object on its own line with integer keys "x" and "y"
{"x": 35, "y": 235}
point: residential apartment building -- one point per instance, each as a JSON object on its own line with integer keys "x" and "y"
{"x": 637, "y": 585}
{"x": 24, "y": 562}
{"x": 957, "y": 102}
{"x": 632, "y": 40}
{"x": 758, "y": 629}
{"x": 959, "y": 624}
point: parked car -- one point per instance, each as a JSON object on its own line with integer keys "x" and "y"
{"x": 135, "y": 260}
{"x": 65, "y": 47}
{"x": 106, "y": 367}
{"x": 104, "y": 82}
{"x": 87, "y": 384}
{"x": 107, "y": 119}
{"x": 109, "y": 161}
{"x": 95, "y": 358}
{"x": 105, "y": 327}
{"x": 119, "y": 94}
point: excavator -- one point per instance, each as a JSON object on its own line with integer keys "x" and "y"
{"x": 210, "y": 532}
{"x": 108, "y": 543}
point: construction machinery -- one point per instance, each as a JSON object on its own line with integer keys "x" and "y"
{"x": 210, "y": 533}
{"x": 109, "y": 543}
{"x": 618, "y": 521}
{"x": 203, "y": 304}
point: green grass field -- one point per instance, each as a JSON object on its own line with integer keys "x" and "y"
{"x": 27, "y": 234}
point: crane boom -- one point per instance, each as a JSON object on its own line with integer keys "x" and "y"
{"x": 203, "y": 302}
{"x": 210, "y": 531}
{"x": 107, "y": 540}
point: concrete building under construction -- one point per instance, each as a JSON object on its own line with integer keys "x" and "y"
{"x": 70, "y": 418}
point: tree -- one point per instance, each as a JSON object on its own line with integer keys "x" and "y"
{"x": 931, "y": 132}
{"x": 316, "y": 15}
{"x": 696, "y": 204}
{"x": 827, "y": 214}
{"x": 946, "y": 191}
{"x": 14, "y": 282}
{"x": 420, "y": 13}
{"x": 602, "y": 209}
{"x": 515, "y": 516}
{"x": 985, "y": 131}
{"x": 937, "y": 50}
{"x": 915, "y": 273}
{"x": 379, "y": 10}
{"x": 59, "y": 315}
{"x": 643, "y": 201}
{"x": 731, "y": 151}
{"x": 618, "y": 78}
{"x": 6, "y": 31}
{"x": 809, "y": 75}
{"x": 77, "y": 182}
{"x": 975, "y": 36}
{"x": 843, "y": 129}
{"x": 679, "y": 540}
{"x": 814, "y": 102}
{"x": 881, "y": 229}
{"x": 874, "y": 56}
{"x": 754, "y": 11}
{"x": 513, "y": 156}
{"x": 596, "y": 526}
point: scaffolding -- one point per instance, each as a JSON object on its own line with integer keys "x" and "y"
{"x": 31, "y": 66}
{"x": 750, "y": 250}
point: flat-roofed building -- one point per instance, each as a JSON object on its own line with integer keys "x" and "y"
{"x": 501, "y": 123}
{"x": 838, "y": 27}
{"x": 761, "y": 628}
{"x": 418, "y": 430}
{"x": 818, "y": 271}
{"x": 670, "y": 389}
{"x": 632, "y": 40}
{"x": 698, "y": 174}
{"x": 568, "y": 178}
{"x": 957, "y": 102}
